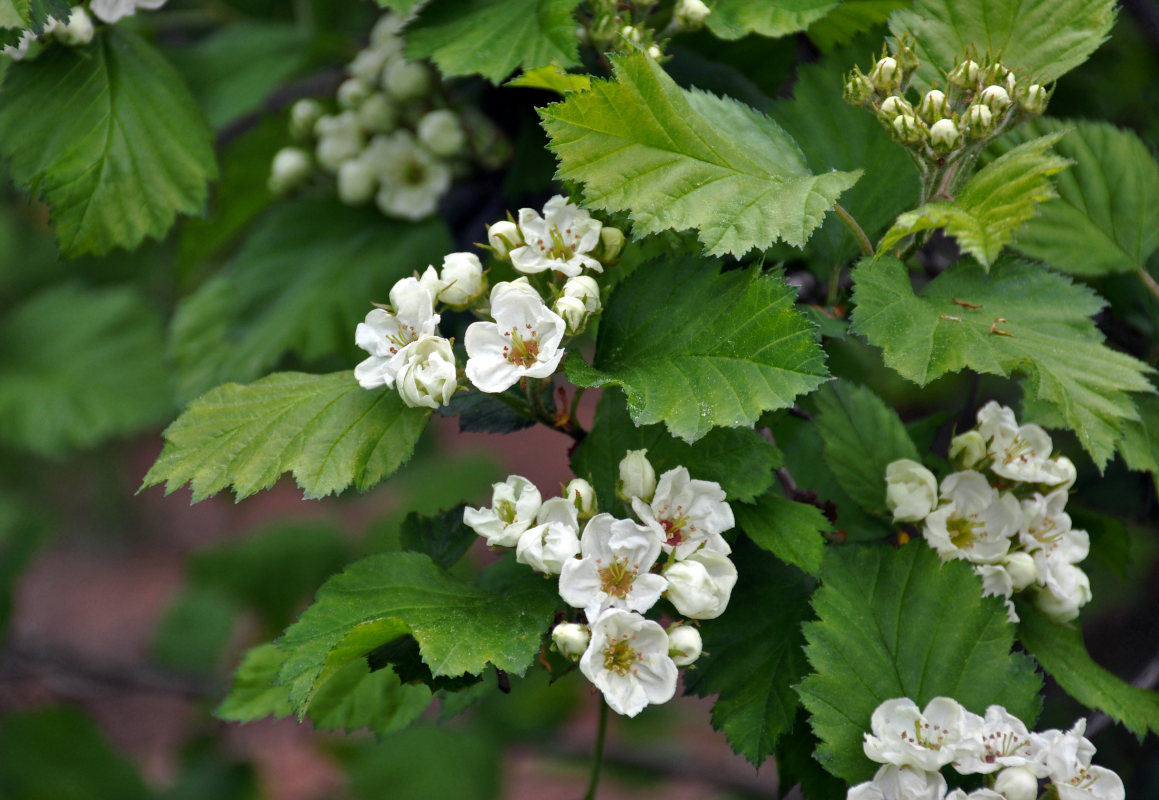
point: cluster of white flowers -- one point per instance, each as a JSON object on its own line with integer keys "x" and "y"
{"x": 617, "y": 569}
{"x": 394, "y": 141}
{"x": 1002, "y": 511}
{"x": 914, "y": 744}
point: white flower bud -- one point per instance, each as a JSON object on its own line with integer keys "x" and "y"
{"x": 700, "y": 585}
{"x": 1021, "y": 568}
{"x": 462, "y": 277}
{"x": 386, "y": 30}
{"x": 1010, "y": 83}
{"x": 583, "y": 495}
{"x": 357, "y": 182}
{"x": 654, "y": 51}
{"x": 584, "y": 289}
{"x": 858, "y": 89}
{"x": 996, "y": 97}
{"x": 631, "y": 33}
{"x": 368, "y": 63}
{"x": 304, "y": 115}
{"x": 431, "y": 281}
{"x": 353, "y": 92}
{"x": 883, "y": 74}
{"x": 406, "y": 80}
{"x": 291, "y": 168}
{"x": 637, "y": 477}
{"x": 911, "y": 490}
{"x": 611, "y": 243}
{"x": 690, "y": 14}
{"x": 1067, "y": 590}
{"x": 965, "y": 75}
{"x": 442, "y": 133}
{"x": 684, "y": 644}
{"x": 339, "y": 140}
{"x": 574, "y": 312}
{"x": 504, "y": 237}
{"x": 571, "y": 639}
{"x": 933, "y": 105}
{"x": 1016, "y": 783}
{"x": 907, "y": 128}
{"x": 978, "y": 119}
{"x": 967, "y": 449}
{"x": 944, "y": 135}
{"x": 377, "y": 114}
{"x": 77, "y": 31}
{"x": 1062, "y": 471}
{"x": 429, "y": 379}
{"x": 1036, "y": 99}
{"x": 894, "y": 106}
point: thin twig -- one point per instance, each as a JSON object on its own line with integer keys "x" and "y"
{"x": 1149, "y": 282}
{"x": 858, "y": 233}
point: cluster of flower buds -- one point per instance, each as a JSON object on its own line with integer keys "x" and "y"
{"x": 394, "y": 141}
{"x": 979, "y": 101}
{"x": 615, "y": 570}
{"x": 1002, "y": 511}
{"x": 619, "y": 26}
{"x": 914, "y": 744}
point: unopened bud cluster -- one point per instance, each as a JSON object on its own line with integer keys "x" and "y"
{"x": 615, "y": 570}
{"x": 619, "y": 26}
{"x": 393, "y": 140}
{"x": 1001, "y": 510}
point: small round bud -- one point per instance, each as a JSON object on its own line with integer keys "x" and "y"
{"x": 690, "y": 14}
{"x": 574, "y": 312}
{"x": 894, "y": 106}
{"x": 858, "y": 89}
{"x": 1064, "y": 472}
{"x": 684, "y": 644}
{"x": 368, "y": 63}
{"x": 996, "y": 98}
{"x": 353, "y": 92}
{"x": 335, "y": 150}
{"x": 462, "y": 278}
{"x": 637, "y": 477}
{"x": 908, "y": 128}
{"x": 1021, "y": 568}
{"x": 933, "y": 106}
{"x": 1036, "y": 99}
{"x": 571, "y": 639}
{"x": 884, "y": 73}
{"x": 304, "y": 115}
{"x": 1010, "y": 83}
{"x": 911, "y": 490}
{"x": 979, "y": 120}
{"x": 291, "y": 168}
{"x": 631, "y": 33}
{"x": 1016, "y": 783}
{"x": 77, "y": 31}
{"x": 504, "y": 237}
{"x": 611, "y": 243}
{"x": 441, "y": 132}
{"x": 429, "y": 377}
{"x": 654, "y": 52}
{"x": 386, "y": 30}
{"x": 944, "y": 135}
{"x": 964, "y": 75}
{"x": 969, "y": 448}
{"x": 585, "y": 289}
{"x": 357, "y": 182}
{"x": 406, "y": 80}
{"x": 583, "y": 495}
{"x": 377, "y": 114}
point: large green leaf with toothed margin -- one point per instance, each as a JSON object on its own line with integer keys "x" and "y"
{"x": 681, "y": 159}
{"x": 732, "y": 19}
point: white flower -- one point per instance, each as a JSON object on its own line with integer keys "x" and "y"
{"x": 976, "y": 523}
{"x": 406, "y": 80}
{"x": 583, "y": 496}
{"x": 967, "y": 449}
{"x": 1022, "y": 569}
{"x": 1065, "y": 590}
{"x": 431, "y": 281}
{"x": 628, "y": 661}
{"x": 522, "y": 342}
{"x": 637, "y": 477}
{"x": 413, "y": 180}
{"x": 900, "y": 783}
{"x": 462, "y": 277}
{"x": 911, "y": 490}
{"x": 684, "y": 644}
{"x": 339, "y": 140}
{"x": 1092, "y": 783}
{"x": 977, "y": 794}
{"x": 690, "y": 14}
{"x": 367, "y": 64}
{"x": 553, "y": 541}
{"x": 514, "y": 504}
{"x": 386, "y": 30}
{"x": 78, "y": 30}
{"x": 353, "y": 92}
{"x": 1025, "y": 456}
{"x": 1046, "y": 532}
{"x": 571, "y": 639}
{"x": 613, "y": 569}
{"x": 112, "y": 10}
{"x": 929, "y": 739}
{"x": 995, "y": 420}
{"x": 291, "y": 168}
{"x": 357, "y": 182}
{"x": 304, "y": 115}
{"x": 573, "y": 312}
{"x": 687, "y": 514}
{"x": 1059, "y": 755}
{"x": 504, "y": 236}
{"x": 701, "y": 584}
{"x": 559, "y": 240}
{"x": 442, "y": 133}
{"x": 1005, "y": 743}
{"x": 429, "y": 378}
{"x": 585, "y": 289}
{"x": 387, "y": 335}
{"x": 1017, "y": 783}
{"x": 377, "y": 114}
{"x": 997, "y": 582}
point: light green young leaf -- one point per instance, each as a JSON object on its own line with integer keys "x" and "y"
{"x": 992, "y": 205}
{"x": 1106, "y": 215}
{"x": 1061, "y": 652}
{"x": 301, "y": 281}
{"x": 254, "y": 693}
{"x": 493, "y": 38}
{"x": 861, "y": 436}
{"x": 553, "y": 79}
{"x": 679, "y": 159}
{"x": 733, "y": 19}
{"x": 897, "y": 622}
{"x": 78, "y": 366}
{"x": 789, "y": 530}
{"x": 401, "y": 6}
{"x": 697, "y": 349}
{"x": 1042, "y": 38}
{"x": 325, "y": 429}
{"x": 109, "y": 136}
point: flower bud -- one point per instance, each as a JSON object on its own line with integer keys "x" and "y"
{"x": 1036, "y": 99}
{"x": 883, "y": 75}
{"x": 1016, "y": 783}
{"x": 979, "y": 120}
{"x": 690, "y": 14}
{"x": 894, "y": 106}
{"x": 304, "y": 115}
{"x": 996, "y": 98}
{"x": 1010, "y": 83}
{"x": 462, "y": 278}
{"x": 969, "y": 448}
{"x": 77, "y": 31}
{"x": 631, "y": 33}
{"x": 1021, "y": 568}
{"x": 611, "y": 243}
{"x": 368, "y": 63}
{"x": 684, "y": 644}
{"x": 1063, "y": 472}
{"x": 291, "y": 168}
{"x": 964, "y": 75}
{"x": 406, "y": 80}
{"x": 637, "y": 477}
{"x": 429, "y": 378}
{"x": 357, "y": 182}
{"x": 944, "y": 135}
{"x": 354, "y": 92}
{"x": 574, "y": 312}
{"x": 700, "y": 586}
{"x": 911, "y": 490}
{"x": 654, "y": 51}
{"x": 571, "y": 639}
{"x": 442, "y": 133}
{"x": 504, "y": 237}
{"x": 377, "y": 114}
{"x": 431, "y": 281}
{"x": 385, "y": 32}
{"x": 584, "y": 289}
{"x": 933, "y": 106}
{"x": 858, "y": 89}
{"x": 581, "y": 493}
{"x": 908, "y": 128}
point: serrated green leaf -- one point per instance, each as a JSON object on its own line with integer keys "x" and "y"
{"x": 493, "y": 38}
{"x": 109, "y": 136}
{"x": 1061, "y": 652}
{"x": 1052, "y": 340}
{"x": 1139, "y": 446}
{"x": 443, "y": 537}
{"x": 304, "y": 276}
{"x": 796, "y": 765}
{"x": 552, "y": 78}
{"x": 1044, "y": 38}
{"x": 1106, "y": 215}
{"x": 78, "y": 366}
{"x": 356, "y": 698}
{"x": 992, "y": 205}
{"x": 752, "y": 661}
{"x": 853, "y": 17}
{"x": 861, "y": 436}
{"x": 482, "y": 412}
{"x": 325, "y": 429}
{"x": 739, "y": 459}
{"x": 684, "y": 159}
{"x": 733, "y": 19}
{"x": 789, "y": 530}
{"x": 29, "y": 15}
{"x": 254, "y": 694}
{"x": 897, "y": 622}
{"x": 460, "y": 628}
{"x": 698, "y": 349}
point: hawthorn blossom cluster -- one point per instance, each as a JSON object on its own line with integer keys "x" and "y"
{"x": 1003, "y": 511}
{"x": 394, "y": 141}
{"x": 615, "y": 570}
{"x": 914, "y": 744}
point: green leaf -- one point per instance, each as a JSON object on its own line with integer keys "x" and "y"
{"x": 1106, "y": 216}
{"x": 1140, "y": 443}
{"x": 739, "y": 459}
{"x": 78, "y": 366}
{"x": 789, "y": 530}
{"x": 301, "y": 281}
{"x": 686, "y": 159}
{"x": 401, "y": 6}
{"x": 29, "y": 14}
{"x": 482, "y": 412}
{"x": 254, "y": 694}
{"x": 1052, "y": 340}
{"x": 752, "y": 661}
{"x": 796, "y": 765}
{"x": 493, "y": 38}
{"x": 459, "y": 627}
{"x": 733, "y": 19}
{"x": 698, "y": 349}
{"x": 1061, "y": 652}
{"x": 325, "y": 429}
{"x": 861, "y": 436}
{"x": 443, "y": 537}
{"x": 1045, "y": 38}
{"x": 552, "y": 78}
{"x": 897, "y": 622}
{"x": 992, "y": 205}
{"x": 853, "y": 17}
{"x": 356, "y": 698}
{"x": 109, "y": 136}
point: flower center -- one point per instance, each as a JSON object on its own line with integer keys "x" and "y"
{"x": 407, "y": 334}
{"x": 523, "y": 348}
{"x": 620, "y": 656}
{"x": 505, "y": 510}
{"x": 1019, "y": 450}
{"x": 962, "y": 531}
{"x": 616, "y": 578}
{"x": 1001, "y": 744}
{"x": 560, "y": 247}
{"x": 674, "y": 525}
{"x": 926, "y": 736}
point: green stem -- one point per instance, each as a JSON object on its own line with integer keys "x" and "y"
{"x": 1149, "y": 282}
{"x": 858, "y": 233}
{"x": 598, "y": 756}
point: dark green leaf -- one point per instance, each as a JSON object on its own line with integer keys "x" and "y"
{"x": 357, "y": 698}
{"x": 254, "y": 693}
{"x": 480, "y": 412}
{"x": 443, "y": 537}
{"x": 789, "y": 530}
